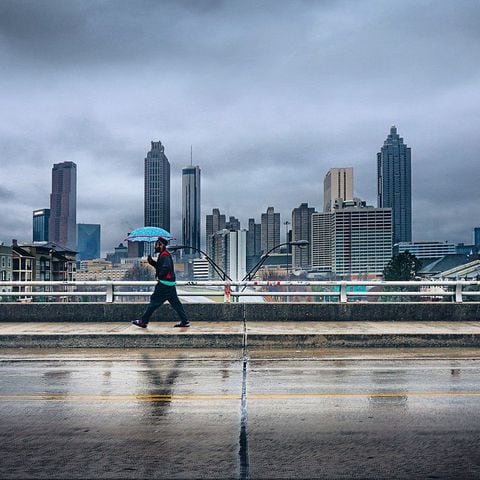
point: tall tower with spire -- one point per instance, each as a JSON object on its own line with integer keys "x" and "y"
{"x": 191, "y": 206}
{"x": 394, "y": 176}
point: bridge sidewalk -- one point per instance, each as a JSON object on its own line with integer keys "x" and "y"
{"x": 234, "y": 334}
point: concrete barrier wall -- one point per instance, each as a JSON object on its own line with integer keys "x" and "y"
{"x": 124, "y": 312}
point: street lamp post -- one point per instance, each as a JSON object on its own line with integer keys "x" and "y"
{"x": 253, "y": 270}
{"x": 217, "y": 269}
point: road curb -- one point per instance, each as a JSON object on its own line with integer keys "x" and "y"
{"x": 215, "y": 340}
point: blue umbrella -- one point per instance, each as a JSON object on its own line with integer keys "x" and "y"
{"x": 148, "y": 234}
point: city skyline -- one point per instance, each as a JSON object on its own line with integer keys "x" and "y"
{"x": 271, "y": 98}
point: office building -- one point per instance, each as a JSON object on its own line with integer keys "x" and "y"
{"x": 362, "y": 239}
{"x": 395, "y": 184}
{"x": 426, "y": 249}
{"x": 62, "y": 228}
{"x": 254, "y": 243}
{"x": 338, "y": 183}
{"x": 232, "y": 224}
{"x": 301, "y": 230}
{"x": 88, "y": 238}
{"x": 229, "y": 252}
{"x": 201, "y": 269}
{"x": 476, "y": 237}
{"x": 118, "y": 254}
{"x": 214, "y": 223}
{"x": 321, "y": 242}
{"x": 270, "y": 230}
{"x": 41, "y": 219}
{"x": 157, "y": 188}
{"x": 191, "y": 208}
{"x": 353, "y": 240}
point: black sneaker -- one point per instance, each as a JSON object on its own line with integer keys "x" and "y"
{"x": 139, "y": 323}
{"x": 182, "y": 324}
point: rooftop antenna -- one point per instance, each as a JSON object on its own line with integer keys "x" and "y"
{"x": 191, "y": 155}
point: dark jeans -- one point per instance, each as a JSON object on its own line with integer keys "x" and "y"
{"x": 161, "y": 294}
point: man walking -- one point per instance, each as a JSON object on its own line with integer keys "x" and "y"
{"x": 165, "y": 288}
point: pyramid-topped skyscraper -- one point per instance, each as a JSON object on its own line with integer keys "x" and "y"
{"x": 394, "y": 174}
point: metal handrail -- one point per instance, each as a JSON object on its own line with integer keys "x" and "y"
{"x": 110, "y": 289}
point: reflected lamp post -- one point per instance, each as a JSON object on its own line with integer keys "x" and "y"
{"x": 254, "y": 269}
{"x": 218, "y": 270}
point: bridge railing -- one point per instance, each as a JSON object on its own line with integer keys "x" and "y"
{"x": 274, "y": 291}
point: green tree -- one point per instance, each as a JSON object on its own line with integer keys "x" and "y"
{"x": 402, "y": 267}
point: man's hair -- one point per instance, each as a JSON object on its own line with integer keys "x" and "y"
{"x": 162, "y": 240}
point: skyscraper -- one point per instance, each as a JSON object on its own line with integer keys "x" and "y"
{"x": 233, "y": 224}
{"x": 321, "y": 243}
{"x": 229, "y": 252}
{"x": 254, "y": 243}
{"x": 395, "y": 184}
{"x": 302, "y": 230}
{"x": 191, "y": 208}
{"x": 476, "y": 236}
{"x": 157, "y": 187}
{"x": 63, "y": 205}
{"x": 213, "y": 223}
{"x": 88, "y": 236}
{"x": 338, "y": 183}
{"x": 354, "y": 239}
{"x": 270, "y": 229}
{"x": 41, "y": 218}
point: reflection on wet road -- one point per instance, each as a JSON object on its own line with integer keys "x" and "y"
{"x": 176, "y": 414}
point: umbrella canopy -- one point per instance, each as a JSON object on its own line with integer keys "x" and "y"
{"x": 148, "y": 234}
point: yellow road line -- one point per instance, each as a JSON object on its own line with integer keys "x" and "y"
{"x": 219, "y": 397}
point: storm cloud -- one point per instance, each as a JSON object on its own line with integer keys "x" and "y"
{"x": 270, "y": 94}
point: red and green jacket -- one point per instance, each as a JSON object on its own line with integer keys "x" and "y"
{"x": 165, "y": 272}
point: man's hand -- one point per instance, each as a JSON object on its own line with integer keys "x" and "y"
{"x": 151, "y": 261}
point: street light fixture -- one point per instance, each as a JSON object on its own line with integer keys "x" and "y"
{"x": 253, "y": 270}
{"x": 218, "y": 270}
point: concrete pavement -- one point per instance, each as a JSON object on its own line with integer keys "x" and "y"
{"x": 237, "y": 334}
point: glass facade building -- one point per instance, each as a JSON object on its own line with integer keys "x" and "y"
{"x": 41, "y": 218}
{"x": 476, "y": 236}
{"x": 191, "y": 208}
{"x": 88, "y": 236}
{"x": 395, "y": 184}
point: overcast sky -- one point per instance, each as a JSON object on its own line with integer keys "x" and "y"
{"x": 271, "y": 94}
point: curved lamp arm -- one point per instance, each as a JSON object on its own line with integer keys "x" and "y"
{"x": 253, "y": 270}
{"x": 217, "y": 269}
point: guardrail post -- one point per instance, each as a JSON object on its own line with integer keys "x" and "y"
{"x": 343, "y": 292}
{"x": 458, "y": 293}
{"x": 109, "y": 293}
{"x": 227, "y": 290}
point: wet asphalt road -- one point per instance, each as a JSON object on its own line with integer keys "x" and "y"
{"x": 178, "y": 414}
